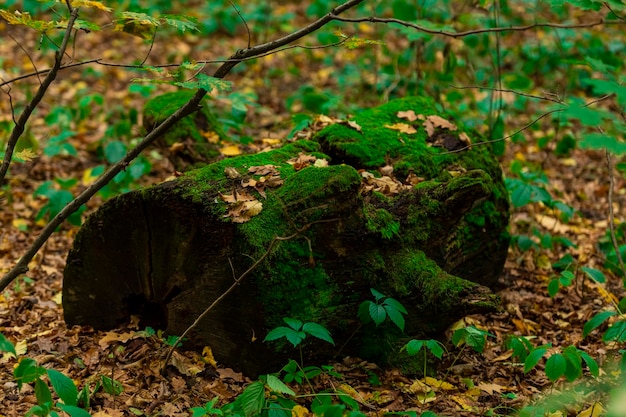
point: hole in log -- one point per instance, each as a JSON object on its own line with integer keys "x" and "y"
{"x": 150, "y": 314}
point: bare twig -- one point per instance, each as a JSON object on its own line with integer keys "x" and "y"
{"x": 234, "y": 6}
{"x": 99, "y": 61}
{"x": 18, "y": 130}
{"x": 191, "y": 106}
{"x": 222, "y": 296}
{"x": 505, "y": 90}
{"x": 373, "y": 19}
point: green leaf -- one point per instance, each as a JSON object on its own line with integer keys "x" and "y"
{"x": 473, "y": 337}
{"x": 291, "y": 335}
{"x": 617, "y": 332}
{"x": 252, "y": 399}
{"x": 585, "y": 115}
{"x": 73, "y": 411}
{"x": 293, "y": 323}
{"x": 395, "y": 304}
{"x": 277, "y": 385}
{"x": 63, "y": 386}
{"x": 601, "y": 141}
{"x": 591, "y": 364}
{"x": 6, "y": 345}
{"x": 27, "y": 371}
{"x": 413, "y": 347}
{"x": 435, "y": 348}
{"x": 596, "y": 321}
{"x": 181, "y": 22}
{"x": 555, "y": 366}
{"x": 114, "y": 151}
{"x": 553, "y": 287}
{"x": 377, "y": 295}
{"x": 520, "y": 196}
{"x": 364, "y": 312}
{"x": 533, "y": 358}
{"x": 42, "y": 393}
{"x": 377, "y": 313}
{"x": 594, "y": 274}
{"x": 318, "y": 331}
{"x": 395, "y": 316}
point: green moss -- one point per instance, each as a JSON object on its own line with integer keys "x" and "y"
{"x": 381, "y": 221}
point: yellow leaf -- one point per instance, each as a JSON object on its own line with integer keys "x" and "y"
{"x": 88, "y": 178}
{"x": 207, "y": 354}
{"x": 26, "y": 154}
{"x": 58, "y": 298}
{"x": 231, "y": 150}
{"x": 20, "y": 224}
{"x": 299, "y": 411}
{"x": 402, "y": 127}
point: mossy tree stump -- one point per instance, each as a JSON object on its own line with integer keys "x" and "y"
{"x": 392, "y": 211}
{"x": 194, "y": 140}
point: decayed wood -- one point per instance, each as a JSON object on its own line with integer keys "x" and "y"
{"x": 428, "y": 236}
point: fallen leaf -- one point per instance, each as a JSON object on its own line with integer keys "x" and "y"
{"x": 490, "y": 388}
{"x": 408, "y": 115}
{"x": 402, "y": 127}
{"x": 232, "y": 173}
{"x": 263, "y": 170}
{"x": 231, "y": 150}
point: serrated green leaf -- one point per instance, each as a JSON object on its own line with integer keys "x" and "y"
{"x": 293, "y": 323}
{"x": 395, "y": 304}
{"x": 594, "y": 274}
{"x": 277, "y": 333}
{"x": 252, "y": 399}
{"x": 295, "y": 338}
{"x": 413, "y": 347}
{"x": 596, "y": 321}
{"x": 555, "y": 366}
{"x": 277, "y": 385}
{"x": 63, "y": 386}
{"x": 318, "y": 331}
{"x": 181, "y": 22}
{"x": 591, "y": 364}
{"x": 377, "y": 295}
{"x": 42, "y": 392}
{"x": 27, "y": 371}
{"x": 604, "y": 142}
{"x": 378, "y": 313}
{"x": 533, "y": 358}
{"x": 395, "y": 316}
{"x": 435, "y": 348}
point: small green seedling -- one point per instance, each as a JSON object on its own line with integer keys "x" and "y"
{"x": 298, "y": 331}
{"x": 381, "y": 308}
{"x": 413, "y": 347}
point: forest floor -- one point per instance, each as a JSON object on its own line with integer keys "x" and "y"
{"x": 489, "y": 383}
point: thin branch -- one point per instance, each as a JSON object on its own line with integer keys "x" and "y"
{"x": 373, "y": 19}
{"x": 191, "y": 106}
{"x": 234, "y": 6}
{"x": 19, "y": 128}
{"x": 222, "y": 296}
{"x": 485, "y": 142}
{"x": 505, "y": 90}
{"x": 138, "y": 66}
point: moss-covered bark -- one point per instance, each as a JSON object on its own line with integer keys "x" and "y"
{"x": 192, "y": 142}
{"x": 170, "y": 250}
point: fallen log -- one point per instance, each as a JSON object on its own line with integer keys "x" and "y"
{"x": 396, "y": 200}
